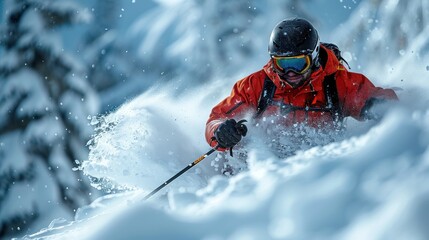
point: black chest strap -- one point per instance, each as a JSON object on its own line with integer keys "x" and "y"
{"x": 266, "y": 97}
{"x": 331, "y": 95}
{"x": 329, "y": 88}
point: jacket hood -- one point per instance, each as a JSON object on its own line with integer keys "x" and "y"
{"x": 329, "y": 64}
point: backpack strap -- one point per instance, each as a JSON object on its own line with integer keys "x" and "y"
{"x": 331, "y": 95}
{"x": 266, "y": 97}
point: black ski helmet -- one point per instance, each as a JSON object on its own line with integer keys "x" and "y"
{"x": 292, "y": 37}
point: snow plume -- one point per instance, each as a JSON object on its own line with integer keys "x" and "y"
{"x": 371, "y": 185}
{"x": 386, "y": 36}
{"x": 164, "y": 135}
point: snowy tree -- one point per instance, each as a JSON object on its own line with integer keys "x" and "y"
{"x": 100, "y": 44}
{"x": 104, "y": 12}
{"x": 44, "y": 103}
{"x": 111, "y": 64}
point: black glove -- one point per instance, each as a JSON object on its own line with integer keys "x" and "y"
{"x": 229, "y": 133}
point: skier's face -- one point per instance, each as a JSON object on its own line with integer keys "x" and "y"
{"x": 294, "y": 79}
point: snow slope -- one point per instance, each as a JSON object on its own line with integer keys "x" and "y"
{"x": 371, "y": 185}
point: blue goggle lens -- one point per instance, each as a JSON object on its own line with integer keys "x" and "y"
{"x": 299, "y": 64}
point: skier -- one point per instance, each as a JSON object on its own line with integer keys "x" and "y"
{"x": 304, "y": 81}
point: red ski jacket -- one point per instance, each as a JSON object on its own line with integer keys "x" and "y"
{"x": 354, "y": 90}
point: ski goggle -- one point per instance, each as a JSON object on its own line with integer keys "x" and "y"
{"x": 298, "y": 64}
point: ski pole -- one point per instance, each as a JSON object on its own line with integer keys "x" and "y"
{"x": 181, "y": 172}
{"x": 242, "y": 130}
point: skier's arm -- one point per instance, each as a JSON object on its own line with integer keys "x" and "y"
{"x": 235, "y": 106}
{"x": 360, "y": 98}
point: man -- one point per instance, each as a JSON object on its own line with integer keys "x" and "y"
{"x": 303, "y": 82}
